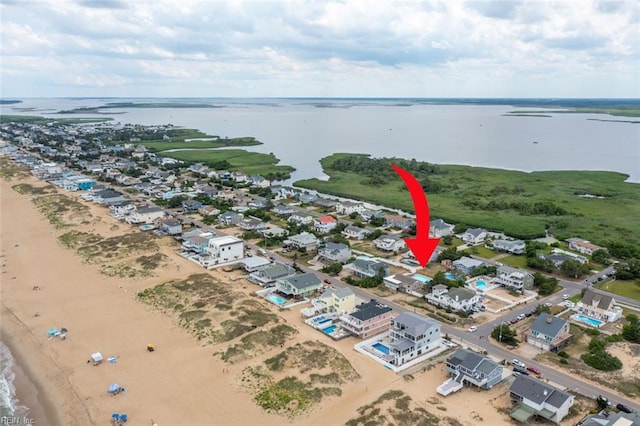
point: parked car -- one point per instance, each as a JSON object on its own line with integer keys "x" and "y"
{"x": 517, "y": 363}
{"x": 547, "y": 305}
{"x": 472, "y": 329}
{"x": 513, "y": 321}
{"x": 327, "y": 281}
{"x": 448, "y": 343}
{"x": 565, "y": 296}
{"x": 624, "y": 408}
{"x": 519, "y": 370}
{"x": 521, "y": 317}
{"x": 534, "y": 371}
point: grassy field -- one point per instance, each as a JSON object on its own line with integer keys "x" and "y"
{"x": 158, "y": 146}
{"x": 481, "y": 251}
{"x": 467, "y": 194}
{"x": 36, "y": 119}
{"x": 514, "y": 261}
{"x": 249, "y": 162}
{"x": 623, "y": 288}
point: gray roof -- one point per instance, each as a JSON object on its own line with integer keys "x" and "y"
{"x": 468, "y": 262}
{"x": 603, "y": 301}
{"x": 369, "y": 265}
{"x": 402, "y": 344}
{"x": 547, "y": 324}
{"x": 339, "y": 293}
{"x": 460, "y": 293}
{"x": 475, "y": 231}
{"x": 303, "y": 281}
{"x": 537, "y": 391}
{"x": 416, "y": 325}
{"x": 149, "y": 209}
{"x": 304, "y": 238}
{"x": 465, "y": 358}
{"x": 108, "y": 193}
{"x": 370, "y": 309}
{"x": 439, "y": 224}
{"x": 277, "y": 270}
{"x": 612, "y": 419}
{"x": 335, "y": 246}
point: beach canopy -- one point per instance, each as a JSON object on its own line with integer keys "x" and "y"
{"x": 114, "y": 388}
{"x": 112, "y": 360}
{"x": 97, "y": 357}
{"x": 52, "y": 332}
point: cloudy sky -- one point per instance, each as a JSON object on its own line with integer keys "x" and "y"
{"x": 349, "y": 48}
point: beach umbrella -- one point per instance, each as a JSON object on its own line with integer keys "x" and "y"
{"x": 123, "y": 417}
{"x": 52, "y": 332}
{"x": 114, "y": 388}
{"x": 115, "y": 416}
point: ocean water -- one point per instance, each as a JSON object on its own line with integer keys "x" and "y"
{"x": 9, "y": 405}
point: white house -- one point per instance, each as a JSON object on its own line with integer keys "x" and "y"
{"x": 145, "y": 215}
{"x": 516, "y": 279}
{"x": 302, "y": 240}
{"x": 439, "y": 228}
{"x": 474, "y": 235}
{"x": 598, "y": 306}
{"x": 324, "y": 224}
{"x": 348, "y": 207}
{"x": 355, "y": 232}
{"x": 509, "y": 246}
{"x": 300, "y": 218}
{"x": 222, "y": 250}
{"x": 334, "y": 252}
{"x": 390, "y": 242}
{"x": 582, "y": 246}
{"x": 456, "y": 298}
{"x": 538, "y": 398}
{"x": 412, "y": 335}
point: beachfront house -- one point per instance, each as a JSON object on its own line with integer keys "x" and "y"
{"x": 549, "y": 333}
{"x": 367, "y": 319}
{"x": 439, "y": 228}
{"x": 170, "y": 225}
{"x": 474, "y": 235}
{"x": 145, "y": 214}
{"x": 466, "y": 366}
{"x": 268, "y": 275}
{"x": 367, "y": 268}
{"x": 536, "y": 398}
{"x": 509, "y": 246}
{"x": 230, "y": 218}
{"x": 405, "y": 284}
{"x": 340, "y": 300}
{"x": 300, "y": 218}
{"x": 299, "y": 286}
{"x": 334, "y": 253}
{"x": 223, "y": 250}
{"x": 458, "y": 299}
{"x": 347, "y": 207}
{"x": 513, "y": 278}
{"x": 390, "y": 242}
{"x": 355, "y": 232}
{"x": 582, "y": 246}
{"x": 465, "y": 265}
{"x": 397, "y": 221}
{"x": 108, "y": 197}
{"x": 196, "y": 243}
{"x": 303, "y": 240}
{"x": 324, "y": 224}
{"x": 607, "y": 418}
{"x": 412, "y": 335}
{"x": 598, "y": 306}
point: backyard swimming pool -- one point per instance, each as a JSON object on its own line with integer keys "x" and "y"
{"x": 589, "y": 321}
{"x": 382, "y": 348}
{"x": 450, "y": 276}
{"x": 421, "y": 278}
{"x": 481, "y": 285}
{"x": 274, "y": 298}
{"x": 329, "y": 329}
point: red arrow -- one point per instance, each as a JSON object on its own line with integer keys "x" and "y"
{"x": 421, "y": 246}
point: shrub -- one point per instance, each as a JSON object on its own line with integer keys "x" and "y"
{"x": 593, "y": 332}
{"x": 564, "y": 361}
{"x": 563, "y": 354}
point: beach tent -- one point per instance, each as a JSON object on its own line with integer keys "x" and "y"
{"x": 113, "y": 388}
{"x": 112, "y": 359}
{"x": 97, "y": 358}
{"x": 53, "y": 332}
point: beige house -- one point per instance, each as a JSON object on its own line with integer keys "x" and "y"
{"x": 340, "y": 300}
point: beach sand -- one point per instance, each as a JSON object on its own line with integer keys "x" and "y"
{"x": 182, "y": 382}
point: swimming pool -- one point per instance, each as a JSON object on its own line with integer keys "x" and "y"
{"x": 329, "y": 329}
{"x": 450, "y": 276}
{"x": 589, "y": 321}
{"x": 382, "y": 348}
{"x": 481, "y": 285}
{"x": 274, "y": 298}
{"x": 421, "y": 278}
{"x": 323, "y": 321}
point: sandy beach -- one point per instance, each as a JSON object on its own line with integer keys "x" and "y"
{"x": 183, "y": 381}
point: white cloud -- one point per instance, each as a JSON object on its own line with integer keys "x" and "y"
{"x": 329, "y": 48}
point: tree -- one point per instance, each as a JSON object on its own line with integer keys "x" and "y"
{"x": 176, "y": 201}
{"x": 447, "y": 240}
{"x": 600, "y": 256}
{"x": 631, "y": 331}
{"x": 459, "y": 228}
{"x": 505, "y": 335}
{"x": 450, "y": 253}
{"x": 333, "y": 269}
{"x": 574, "y": 269}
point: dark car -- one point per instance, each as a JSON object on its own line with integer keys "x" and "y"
{"x": 624, "y": 408}
{"x": 520, "y": 370}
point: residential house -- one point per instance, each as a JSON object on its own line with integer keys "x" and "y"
{"x": 439, "y": 228}
{"x": 230, "y": 218}
{"x": 571, "y": 255}
{"x": 258, "y": 181}
{"x": 556, "y": 259}
{"x": 300, "y": 218}
{"x": 282, "y": 192}
{"x": 466, "y": 366}
{"x": 536, "y": 398}
{"x": 302, "y": 240}
{"x": 397, "y": 221}
{"x": 222, "y": 250}
{"x": 251, "y": 224}
{"x": 324, "y": 203}
{"x": 239, "y": 177}
{"x": 259, "y": 203}
{"x": 123, "y": 208}
{"x": 611, "y": 419}
{"x": 283, "y": 210}
{"x": 549, "y": 333}
{"x": 145, "y": 214}
{"x": 367, "y": 215}
{"x": 208, "y": 190}
{"x": 340, "y": 301}
{"x": 412, "y": 335}
{"x": 509, "y": 246}
{"x": 334, "y": 252}
{"x": 355, "y": 232}
{"x": 306, "y": 198}
{"x": 299, "y": 286}
{"x": 208, "y": 211}
{"x": 324, "y": 224}
{"x": 390, "y": 242}
{"x": 347, "y": 207}
{"x": 108, "y": 197}
{"x": 513, "y": 278}
{"x": 404, "y": 284}
{"x": 274, "y": 232}
{"x": 368, "y": 268}
{"x": 367, "y": 319}
{"x": 457, "y": 299}
{"x": 197, "y": 243}
{"x": 170, "y": 225}
{"x": 474, "y": 235}
{"x": 466, "y": 265}
{"x": 189, "y": 206}
{"x": 268, "y": 275}
{"x": 582, "y": 246}
{"x": 598, "y": 306}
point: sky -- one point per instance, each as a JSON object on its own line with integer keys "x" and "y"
{"x": 349, "y": 48}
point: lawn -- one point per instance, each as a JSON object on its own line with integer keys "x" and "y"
{"x": 518, "y": 203}
{"x": 514, "y": 261}
{"x": 481, "y": 251}
{"x": 623, "y": 288}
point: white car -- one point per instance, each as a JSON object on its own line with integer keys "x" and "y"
{"x": 472, "y": 328}
{"x": 518, "y": 363}
{"x": 565, "y": 296}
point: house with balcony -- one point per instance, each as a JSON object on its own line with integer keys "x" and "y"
{"x": 405, "y": 284}
{"x": 208, "y": 211}
{"x": 549, "y": 333}
{"x": 474, "y": 236}
{"x": 397, "y": 221}
{"x": 536, "y": 398}
{"x": 411, "y": 336}
{"x": 439, "y": 228}
{"x": 324, "y": 224}
{"x": 340, "y": 301}
{"x": 367, "y": 319}
{"x": 268, "y": 275}
{"x": 258, "y": 181}
{"x": 108, "y": 197}
{"x": 390, "y": 242}
{"x": 145, "y": 214}
{"x": 230, "y": 218}
{"x": 509, "y": 246}
{"x": 196, "y": 243}
{"x": 458, "y": 299}
{"x": 513, "y": 278}
{"x": 251, "y": 224}
{"x": 282, "y": 210}
{"x": 367, "y": 268}
{"x": 222, "y": 250}
{"x": 347, "y": 207}
{"x": 299, "y": 286}
{"x": 582, "y": 246}
{"x": 334, "y": 253}
{"x": 324, "y": 203}
{"x": 170, "y": 225}
{"x": 598, "y": 306}
{"x": 465, "y": 265}
{"x": 355, "y": 232}
{"x": 303, "y": 240}
{"x": 469, "y": 367}
{"x": 190, "y": 206}
{"x": 274, "y": 232}
{"x": 300, "y": 218}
